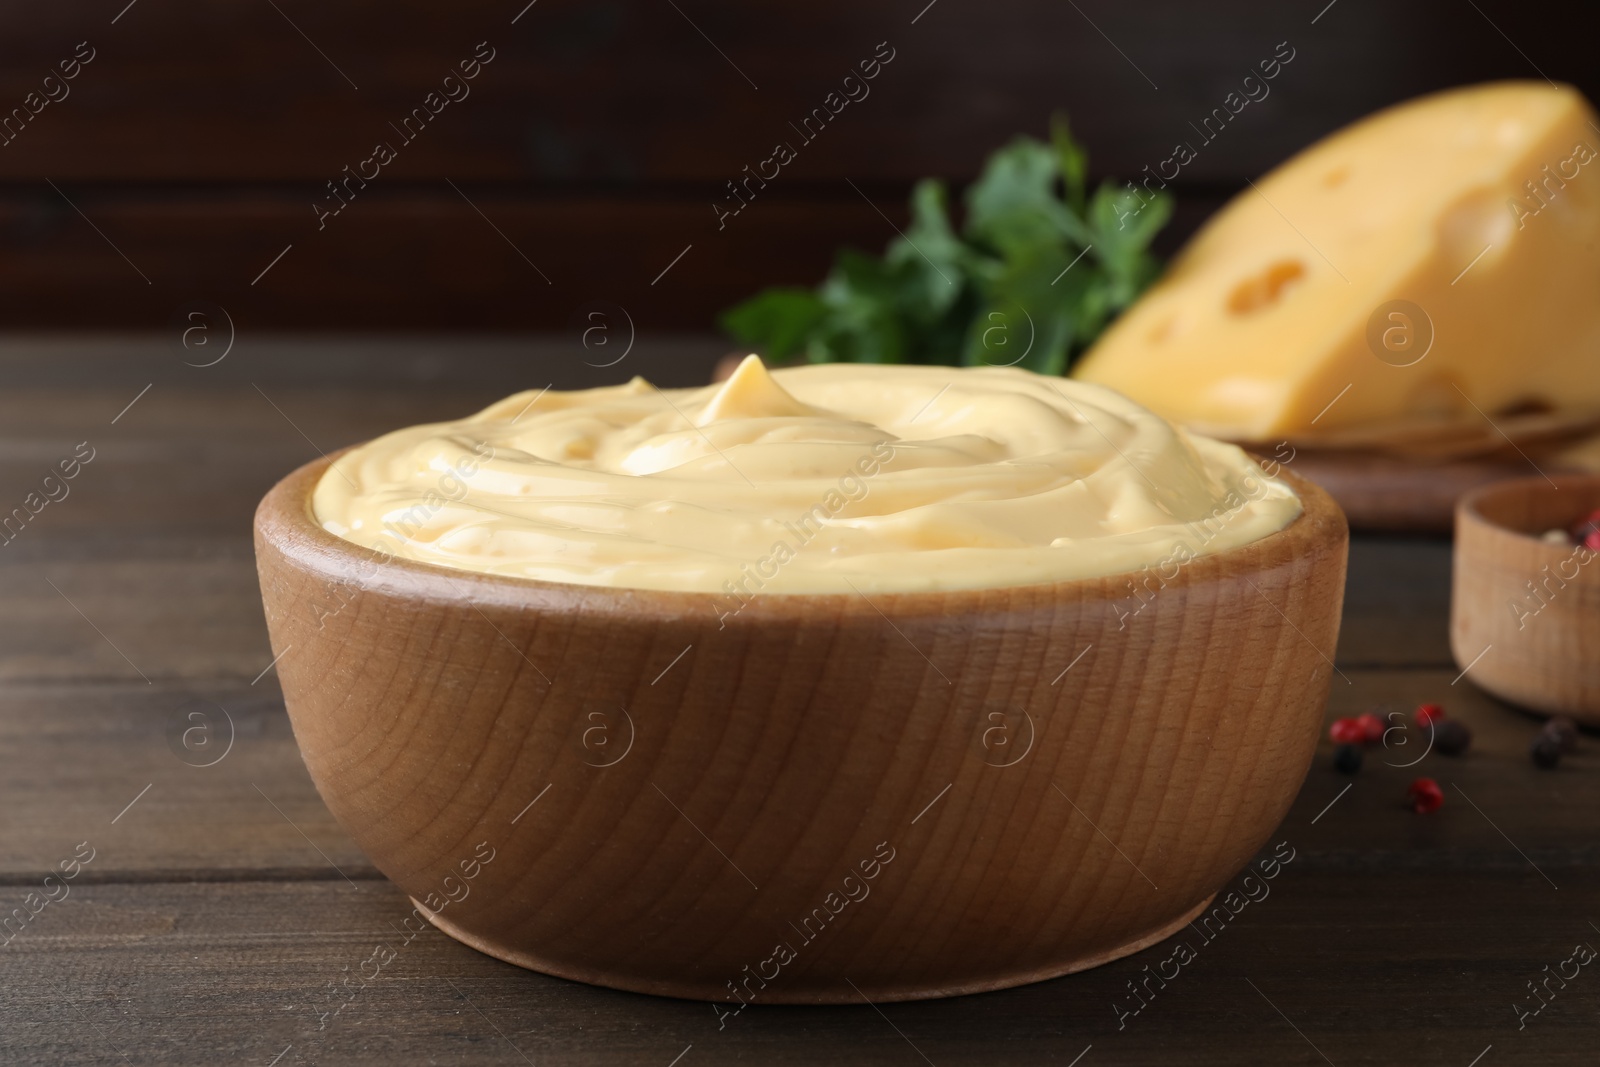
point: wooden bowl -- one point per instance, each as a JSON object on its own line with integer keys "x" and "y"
{"x": 1535, "y": 607}
{"x": 826, "y": 798}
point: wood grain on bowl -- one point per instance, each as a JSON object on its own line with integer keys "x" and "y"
{"x": 1525, "y": 613}
{"x": 824, "y": 797}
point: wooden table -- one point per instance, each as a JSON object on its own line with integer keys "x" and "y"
{"x": 221, "y": 901}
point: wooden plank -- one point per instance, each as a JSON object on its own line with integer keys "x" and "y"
{"x": 144, "y": 569}
{"x": 79, "y": 752}
{"x": 633, "y": 93}
{"x": 179, "y": 461}
{"x": 85, "y": 367}
{"x": 600, "y": 138}
{"x": 400, "y": 258}
{"x": 1420, "y": 967}
{"x": 1396, "y": 603}
{"x": 148, "y": 775}
{"x": 413, "y": 258}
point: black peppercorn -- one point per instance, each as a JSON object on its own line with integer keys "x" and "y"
{"x": 1565, "y": 731}
{"x": 1545, "y": 750}
{"x": 1347, "y": 759}
{"x": 1451, "y": 738}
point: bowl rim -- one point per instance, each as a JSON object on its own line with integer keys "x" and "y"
{"x": 285, "y": 520}
{"x": 1469, "y": 507}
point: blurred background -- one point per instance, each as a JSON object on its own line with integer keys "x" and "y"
{"x": 190, "y": 158}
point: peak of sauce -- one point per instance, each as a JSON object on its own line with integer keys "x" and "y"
{"x": 813, "y": 479}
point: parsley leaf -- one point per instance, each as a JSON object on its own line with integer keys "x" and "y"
{"x": 1036, "y": 271}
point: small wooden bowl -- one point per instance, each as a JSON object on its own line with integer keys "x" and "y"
{"x": 827, "y": 798}
{"x": 1534, "y": 606}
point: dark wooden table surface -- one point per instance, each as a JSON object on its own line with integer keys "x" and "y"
{"x": 221, "y": 901}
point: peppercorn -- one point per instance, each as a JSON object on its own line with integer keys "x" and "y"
{"x": 1425, "y": 796}
{"x": 1565, "y": 731}
{"x": 1427, "y": 713}
{"x": 1451, "y": 738}
{"x": 1545, "y": 750}
{"x": 1347, "y": 759}
{"x": 1346, "y": 732}
{"x": 1586, "y": 528}
{"x": 1371, "y": 728}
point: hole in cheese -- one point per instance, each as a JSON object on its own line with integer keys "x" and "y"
{"x": 1266, "y": 287}
{"x": 1477, "y": 222}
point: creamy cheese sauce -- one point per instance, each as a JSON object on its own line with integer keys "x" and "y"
{"x": 813, "y": 479}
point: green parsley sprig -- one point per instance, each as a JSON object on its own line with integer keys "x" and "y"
{"x": 1037, "y": 271}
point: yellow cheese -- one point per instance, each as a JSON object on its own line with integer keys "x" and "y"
{"x": 1438, "y": 255}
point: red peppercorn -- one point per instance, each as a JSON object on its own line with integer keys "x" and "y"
{"x": 1592, "y": 541}
{"x": 1427, "y": 714}
{"x": 1371, "y": 728}
{"x": 1347, "y": 732}
{"x": 1425, "y": 796}
{"x": 1585, "y": 528}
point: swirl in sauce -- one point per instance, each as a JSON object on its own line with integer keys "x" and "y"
{"x": 813, "y": 479}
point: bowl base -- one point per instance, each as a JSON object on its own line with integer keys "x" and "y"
{"x": 847, "y": 994}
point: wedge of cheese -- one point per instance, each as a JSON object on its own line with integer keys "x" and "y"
{"x": 1438, "y": 255}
